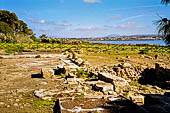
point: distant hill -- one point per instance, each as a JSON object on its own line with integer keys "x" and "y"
{"x": 113, "y": 35}
{"x": 142, "y": 35}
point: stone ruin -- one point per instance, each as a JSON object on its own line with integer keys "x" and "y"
{"x": 159, "y": 76}
{"x": 108, "y": 104}
{"x": 109, "y": 80}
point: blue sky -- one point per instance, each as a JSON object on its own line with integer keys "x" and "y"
{"x": 88, "y": 18}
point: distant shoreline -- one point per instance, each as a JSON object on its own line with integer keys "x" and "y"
{"x": 132, "y": 42}
{"x": 126, "y": 40}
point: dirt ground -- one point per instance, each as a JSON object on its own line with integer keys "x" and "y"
{"x": 19, "y": 78}
{"x": 17, "y": 85}
{"x": 136, "y": 60}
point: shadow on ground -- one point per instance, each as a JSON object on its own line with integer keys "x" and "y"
{"x": 156, "y": 103}
{"x": 36, "y": 76}
{"x": 156, "y": 77}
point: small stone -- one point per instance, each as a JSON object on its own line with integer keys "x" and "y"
{"x": 8, "y": 106}
{"x": 125, "y": 65}
{"x": 43, "y": 83}
{"x": 85, "y": 88}
{"x": 2, "y": 103}
{"x": 17, "y": 100}
{"x": 127, "y": 56}
{"x": 16, "y": 105}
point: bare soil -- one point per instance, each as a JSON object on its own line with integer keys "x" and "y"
{"x": 17, "y": 84}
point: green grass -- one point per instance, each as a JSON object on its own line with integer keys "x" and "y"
{"x": 81, "y": 95}
{"x": 135, "y": 83}
{"x": 63, "y": 75}
{"x": 96, "y": 48}
{"x": 42, "y": 103}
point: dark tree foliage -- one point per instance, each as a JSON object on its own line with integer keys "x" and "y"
{"x": 163, "y": 25}
{"x": 5, "y": 28}
{"x": 17, "y": 26}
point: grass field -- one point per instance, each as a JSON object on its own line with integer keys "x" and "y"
{"x": 117, "y": 50}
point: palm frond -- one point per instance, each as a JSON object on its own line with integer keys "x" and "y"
{"x": 165, "y": 2}
{"x": 163, "y": 27}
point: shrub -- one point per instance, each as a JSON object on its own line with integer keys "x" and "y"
{"x": 85, "y": 74}
{"x": 144, "y": 51}
{"x": 9, "y": 51}
{"x": 38, "y": 56}
{"x": 63, "y": 75}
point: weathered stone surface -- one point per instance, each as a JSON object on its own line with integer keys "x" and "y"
{"x": 75, "y": 80}
{"x": 138, "y": 99}
{"x": 104, "y": 87}
{"x": 47, "y": 73}
{"x": 119, "y": 83}
{"x": 93, "y": 82}
{"x": 126, "y": 65}
{"x": 45, "y": 94}
{"x": 79, "y": 61}
{"x": 97, "y": 105}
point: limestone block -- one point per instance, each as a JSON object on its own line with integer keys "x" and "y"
{"x": 47, "y": 73}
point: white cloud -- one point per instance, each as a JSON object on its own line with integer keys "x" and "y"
{"x": 130, "y": 18}
{"x": 129, "y": 25}
{"x": 136, "y": 7}
{"x": 63, "y": 25}
{"x": 34, "y": 20}
{"x": 88, "y": 28}
{"x": 92, "y": 1}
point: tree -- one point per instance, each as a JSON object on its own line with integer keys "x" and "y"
{"x": 163, "y": 25}
{"x": 14, "y": 23}
{"x": 5, "y": 28}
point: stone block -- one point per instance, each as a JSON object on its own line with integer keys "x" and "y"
{"x": 119, "y": 83}
{"x": 47, "y": 73}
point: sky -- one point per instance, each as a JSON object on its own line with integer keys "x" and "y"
{"x": 88, "y": 18}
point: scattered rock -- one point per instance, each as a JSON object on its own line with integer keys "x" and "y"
{"x": 2, "y": 103}
{"x": 17, "y": 100}
{"x": 126, "y": 65}
{"x": 16, "y": 105}
{"x": 8, "y": 106}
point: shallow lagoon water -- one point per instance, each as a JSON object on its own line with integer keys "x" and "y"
{"x": 133, "y": 42}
